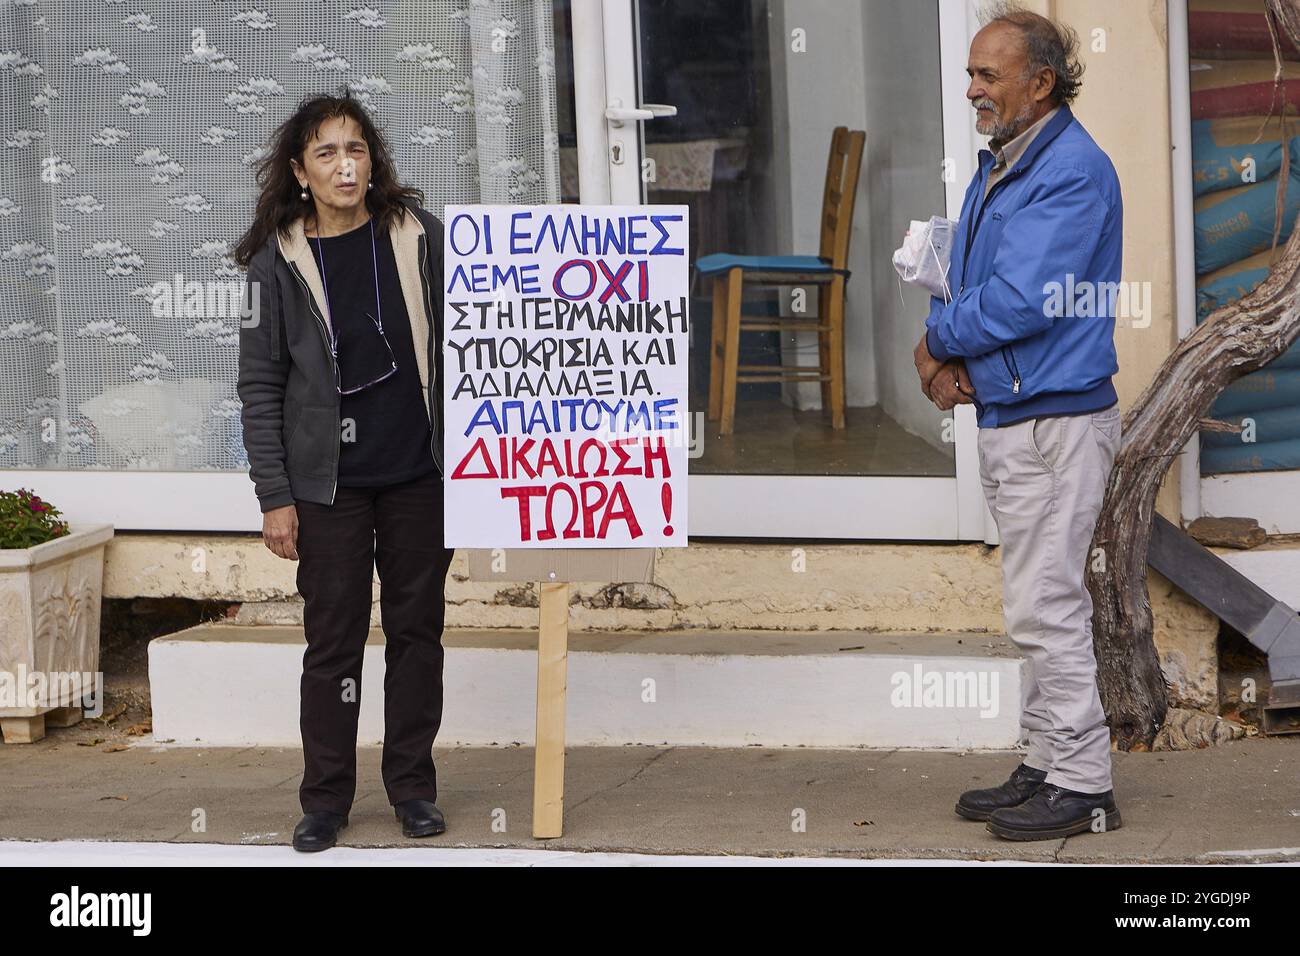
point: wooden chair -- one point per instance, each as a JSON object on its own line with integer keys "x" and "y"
{"x": 828, "y": 270}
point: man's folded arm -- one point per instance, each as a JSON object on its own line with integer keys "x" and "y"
{"x": 1054, "y": 235}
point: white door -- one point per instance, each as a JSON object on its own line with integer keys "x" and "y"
{"x": 728, "y": 106}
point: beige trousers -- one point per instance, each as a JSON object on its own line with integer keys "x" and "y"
{"x": 1044, "y": 479}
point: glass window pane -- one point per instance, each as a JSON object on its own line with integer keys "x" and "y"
{"x": 759, "y": 87}
{"x": 129, "y": 178}
{"x": 1237, "y": 156}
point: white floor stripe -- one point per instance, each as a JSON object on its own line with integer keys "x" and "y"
{"x": 1287, "y": 851}
{"x": 109, "y": 853}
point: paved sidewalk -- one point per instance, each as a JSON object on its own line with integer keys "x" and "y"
{"x": 90, "y": 853}
{"x": 1235, "y": 803}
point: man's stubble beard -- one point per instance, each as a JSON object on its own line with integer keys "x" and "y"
{"x": 1004, "y": 133}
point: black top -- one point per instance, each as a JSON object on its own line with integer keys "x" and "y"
{"x": 385, "y": 433}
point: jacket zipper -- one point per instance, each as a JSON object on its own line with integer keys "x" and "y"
{"x": 425, "y": 285}
{"x": 970, "y": 230}
{"x": 320, "y": 323}
{"x": 1012, "y": 369}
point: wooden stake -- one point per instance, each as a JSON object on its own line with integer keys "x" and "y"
{"x": 552, "y": 679}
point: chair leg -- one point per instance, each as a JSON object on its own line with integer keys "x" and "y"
{"x": 717, "y": 336}
{"x": 835, "y": 313}
{"x": 731, "y": 350}
{"x": 823, "y": 346}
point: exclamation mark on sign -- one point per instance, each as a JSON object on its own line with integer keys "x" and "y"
{"x": 666, "y": 499}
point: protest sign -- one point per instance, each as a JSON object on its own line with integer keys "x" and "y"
{"x": 564, "y": 376}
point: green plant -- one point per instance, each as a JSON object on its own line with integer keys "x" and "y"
{"x": 26, "y": 520}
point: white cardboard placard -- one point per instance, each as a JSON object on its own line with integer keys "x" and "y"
{"x": 565, "y": 376}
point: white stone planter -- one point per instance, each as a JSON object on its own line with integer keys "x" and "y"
{"x": 49, "y": 630}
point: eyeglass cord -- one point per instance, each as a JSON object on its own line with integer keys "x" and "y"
{"x": 374, "y": 258}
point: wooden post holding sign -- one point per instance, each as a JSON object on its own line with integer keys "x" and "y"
{"x": 552, "y": 684}
{"x": 565, "y": 392}
{"x": 555, "y": 569}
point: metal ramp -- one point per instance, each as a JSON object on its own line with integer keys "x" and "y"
{"x": 1269, "y": 624}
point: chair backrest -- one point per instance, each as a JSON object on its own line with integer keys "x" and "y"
{"x": 842, "y": 171}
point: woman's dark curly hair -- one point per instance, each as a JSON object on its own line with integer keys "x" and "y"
{"x": 280, "y": 201}
{"x": 1047, "y": 44}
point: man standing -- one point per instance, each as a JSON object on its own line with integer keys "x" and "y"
{"x": 1028, "y": 338}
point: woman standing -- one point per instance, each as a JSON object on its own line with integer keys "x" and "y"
{"x": 338, "y": 371}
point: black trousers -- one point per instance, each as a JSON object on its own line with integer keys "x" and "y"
{"x": 396, "y": 530}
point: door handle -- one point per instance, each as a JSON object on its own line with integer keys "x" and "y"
{"x": 618, "y": 114}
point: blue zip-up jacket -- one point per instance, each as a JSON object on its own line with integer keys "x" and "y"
{"x": 1036, "y": 266}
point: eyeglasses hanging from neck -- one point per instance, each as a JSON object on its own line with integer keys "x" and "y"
{"x": 359, "y": 362}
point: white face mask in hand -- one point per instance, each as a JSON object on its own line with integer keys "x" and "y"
{"x": 923, "y": 258}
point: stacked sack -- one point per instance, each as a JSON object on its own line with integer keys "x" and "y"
{"x": 1232, "y": 30}
{"x": 1236, "y": 160}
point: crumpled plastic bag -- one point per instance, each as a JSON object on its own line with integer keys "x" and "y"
{"x": 924, "y": 256}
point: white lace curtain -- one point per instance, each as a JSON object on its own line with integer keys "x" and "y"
{"x": 129, "y": 129}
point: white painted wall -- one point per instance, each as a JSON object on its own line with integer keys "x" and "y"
{"x": 813, "y": 92}
{"x": 901, "y": 181}
{"x": 869, "y": 65}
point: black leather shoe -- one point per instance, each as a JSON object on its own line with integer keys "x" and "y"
{"x": 978, "y": 804}
{"x": 1054, "y": 812}
{"x": 318, "y": 831}
{"x": 419, "y": 818}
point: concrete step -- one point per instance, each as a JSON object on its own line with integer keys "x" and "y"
{"x": 232, "y": 685}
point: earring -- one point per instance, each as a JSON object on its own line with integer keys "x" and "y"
{"x": 304, "y": 193}
{"x": 370, "y": 184}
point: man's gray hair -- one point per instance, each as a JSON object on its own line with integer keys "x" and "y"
{"x": 1047, "y": 44}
